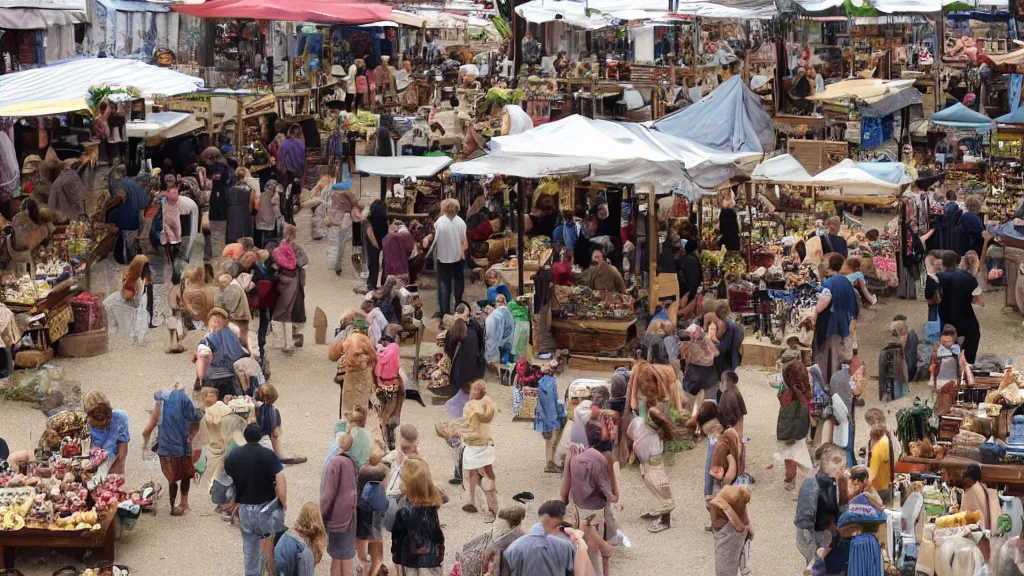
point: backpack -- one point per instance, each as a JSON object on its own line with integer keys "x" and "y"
{"x": 794, "y": 422}
{"x": 373, "y": 495}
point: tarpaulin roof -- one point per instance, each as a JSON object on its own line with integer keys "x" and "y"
{"x": 618, "y": 152}
{"x": 1015, "y": 117}
{"x": 521, "y": 166}
{"x": 602, "y": 12}
{"x": 960, "y": 116}
{"x": 782, "y": 168}
{"x": 729, "y": 119}
{"x": 402, "y": 166}
{"x": 133, "y": 6}
{"x": 36, "y": 19}
{"x": 1015, "y": 57}
{"x": 65, "y": 87}
{"x": 856, "y": 181}
{"x": 891, "y": 172}
{"x": 886, "y": 6}
{"x": 866, "y": 90}
{"x": 318, "y": 11}
{"x": 165, "y": 124}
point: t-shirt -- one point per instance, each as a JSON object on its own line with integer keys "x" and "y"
{"x": 841, "y": 432}
{"x": 881, "y": 466}
{"x": 379, "y": 225}
{"x": 254, "y": 470}
{"x": 449, "y": 234}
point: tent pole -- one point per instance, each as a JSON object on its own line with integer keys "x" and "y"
{"x": 652, "y": 248}
{"x": 521, "y": 193}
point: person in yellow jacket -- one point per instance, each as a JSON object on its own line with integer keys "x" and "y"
{"x": 478, "y": 455}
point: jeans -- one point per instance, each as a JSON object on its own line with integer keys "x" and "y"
{"x": 447, "y": 274}
{"x": 288, "y": 202}
{"x": 261, "y": 334}
{"x": 213, "y": 241}
{"x": 257, "y": 526}
{"x": 372, "y": 261}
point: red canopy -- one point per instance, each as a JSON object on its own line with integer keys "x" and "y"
{"x": 319, "y": 11}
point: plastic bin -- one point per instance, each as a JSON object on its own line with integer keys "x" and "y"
{"x": 84, "y": 344}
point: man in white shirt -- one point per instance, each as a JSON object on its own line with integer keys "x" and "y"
{"x": 450, "y": 244}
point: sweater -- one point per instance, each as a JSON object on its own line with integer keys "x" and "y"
{"x": 477, "y": 416}
{"x": 338, "y": 497}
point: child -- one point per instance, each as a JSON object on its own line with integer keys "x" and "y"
{"x": 880, "y": 462}
{"x": 170, "y": 237}
{"x": 851, "y": 268}
{"x": 232, "y": 298}
{"x": 408, "y": 447}
{"x": 710, "y": 426}
{"x": 368, "y": 520}
{"x": 268, "y": 417}
{"x": 700, "y": 353}
{"x": 860, "y": 483}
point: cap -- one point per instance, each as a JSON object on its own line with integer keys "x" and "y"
{"x": 30, "y": 164}
{"x": 343, "y": 185}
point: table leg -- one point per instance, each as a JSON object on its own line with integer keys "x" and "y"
{"x": 108, "y": 541}
{"x": 7, "y": 556}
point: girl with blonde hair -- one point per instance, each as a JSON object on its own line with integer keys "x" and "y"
{"x": 417, "y": 541}
{"x": 302, "y": 547}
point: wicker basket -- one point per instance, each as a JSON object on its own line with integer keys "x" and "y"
{"x": 84, "y": 344}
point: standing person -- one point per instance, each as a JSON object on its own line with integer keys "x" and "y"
{"x": 836, "y": 308}
{"x": 127, "y": 200}
{"x": 360, "y": 360}
{"x": 174, "y": 414}
{"x": 108, "y": 429}
{"x": 291, "y": 165}
{"x": 732, "y": 528}
{"x": 846, "y": 385}
{"x": 338, "y": 503}
{"x": 692, "y": 276}
{"x": 831, "y": 241}
{"x": 959, "y": 290}
{"x": 417, "y": 541}
{"x": 547, "y": 549}
{"x": 342, "y": 206}
{"x": 375, "y": 231}
{"x": 602, "y": 276}
{"x": 67, "y": 195}
{"x": 728, "y": 461}
{"x": 971, "y": 227}
{"x": 268, "y": 212}
{"x": 221, "y": 177}
{"x": 370, "y": 514}
{"x": 300, "y": 549}
{"x": 549, "y": 420}
{"x": 216, "y": 355}
{"x": 794, "y": 422}
{"x": 170, "y": 237}
{"x": 817, "y": 507}
{"x": 730, "y": 341}
{"x": 261, "y": 492}
{"x": 499, "y": 327}
{"x": 948, "y": 362}
{"x": 232, "y": 299}
{"x": 263, "y": 299}
{"x": 397, "y": 247}
{"x": 240, "y": 205}
{"x": 979, "y": 497}
{"x": 389, "y": 391}
{"x": 700, "y": 352}
{"x": 479, "y": 452}
{"x": 587, "y": 482}
{"x": 290, "y": 306}
{"x": 881, "y": 462}
{"x": 190, "y": 216}
{"x": 451, "y": 244}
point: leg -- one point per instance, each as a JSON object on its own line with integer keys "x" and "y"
{"x": 335, "y": 567}
{"x": 458, "y": 269}
{"x": 471, "y": 507}
{"x": 249, "y": 525}
{"x": 347, "y": 567}
{"x": 361, "y": 553}
{"x": 149, "y": 304}
{"x": 289, "y": 342}
{"x": 261, "y": 335}
{"x": 267, "y": 553}
{"x": 456, "y": 445}
{"x": 172, "y": 494}
{"x": 372, "y": 266}
{"x": 444, "y": 287}
{"x": 972, "y": 338}
{"x": 376, "y": 557}
{"x": 490, "y": 491}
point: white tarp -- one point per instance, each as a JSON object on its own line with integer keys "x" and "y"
{"x": 602, "y": 12}
{"x": 165, "y": 124}
{"x": 886, "y": 6}
{"x": 402, "y": 166}
{"x": 521, "y": 166}
{"x": 856, "y": 182}
{"x": 65, "y": 87}
{"x": 782, "y": 168}
{"x": 77, "y": 5}
{"x": 730, "y": 118}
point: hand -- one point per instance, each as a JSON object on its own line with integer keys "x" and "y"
{"x": 750, "y": 530}
{"x": 986, "y": 235}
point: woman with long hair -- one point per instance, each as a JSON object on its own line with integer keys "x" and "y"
{"x": 793, "y": 451}
{"x": 290, "y": 307}
{"x": 302, "y": 547}
{"x": 131, "y": 309}
{"x": 417, "y": 541}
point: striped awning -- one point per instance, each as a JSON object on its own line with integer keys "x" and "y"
{"x": 65, "y": 87}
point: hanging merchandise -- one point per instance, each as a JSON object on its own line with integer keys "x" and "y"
{"x": 870, "y": 132}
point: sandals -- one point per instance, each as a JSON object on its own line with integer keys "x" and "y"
{"x": 470, "y": 508}
{"x": 553, "y": 468}
{"x": 179, "y": 510}
{"x": 658, "y": 526}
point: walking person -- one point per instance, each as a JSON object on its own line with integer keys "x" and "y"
{"x": 222, "y": 178}
{"x": 417, "y": 541}
{"x": 451, "y": 245}
{"x": 290, "y": 306}
{"x": 338, "y": 506}
{"x": 173, "y": 414}
{"x": 587, "y": 482}
{"x": 375, "y": 230}
{"x": 240, "y": 205}
{"x": 478, "y": 454}
{"x": 794, "y": 422}
{"x": 291, "y": 165}
{"x": 261, "y": 492}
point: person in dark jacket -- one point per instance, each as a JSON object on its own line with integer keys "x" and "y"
{"x": 818, "y": 502}
{"x": 222, "y": 178}
{"x": 417, "y": 541}
{"x": 691, "y": 276}
{"x": 263, "y": 297}
{"x": 971, "y": 227}
{"x": 240, "y": 205}
{"x": 950, "y": 222}
{"x": 832, "y": 241}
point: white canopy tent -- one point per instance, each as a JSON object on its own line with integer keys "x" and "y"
{"x": 597, "y": 14}
{"x": 65, "y": 87}
{"x": 783, "y": 168}
{"x": 164, "y": 124}
{"x": 855, "y": 181}
{"x": 402, "y": 166}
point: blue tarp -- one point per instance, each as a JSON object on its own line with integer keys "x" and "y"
{"x": 891, "y": 172}
{"x": 960, "y": 116}
{"x": 1016, "y": 117}
{"x": 729, "y": 119}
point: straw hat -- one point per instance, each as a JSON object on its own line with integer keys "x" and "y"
{"x": 30, "y": 164}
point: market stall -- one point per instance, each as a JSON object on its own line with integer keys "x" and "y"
{"x": 407, "y": 201}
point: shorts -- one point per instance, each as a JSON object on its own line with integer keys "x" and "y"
{"x": 222, "y": 494}
{"x": 342, "y": 545}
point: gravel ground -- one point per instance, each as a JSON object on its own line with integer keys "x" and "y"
{"x": 200, "y": 543}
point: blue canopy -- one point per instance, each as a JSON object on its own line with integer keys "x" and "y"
{"x": 891, "y": 172}
{"x": 960, "y": 116}
{"x": 1015, "y": 117}
{"x": 729, "y": 119}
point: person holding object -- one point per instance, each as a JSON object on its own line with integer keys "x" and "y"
{"x": 261, "y": 492}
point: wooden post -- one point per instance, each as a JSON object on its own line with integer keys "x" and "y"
{"x": 940, "y": 43}
{"x": 652, "y": 251}
{"x": 521, "y": 192}
{"x": 239, "y": 132}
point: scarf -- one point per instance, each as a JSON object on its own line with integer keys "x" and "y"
{"x": 284, "y": 255}
{"x": 131, "y": 277}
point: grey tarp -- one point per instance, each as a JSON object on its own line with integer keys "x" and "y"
{"x": 891, "y": 104}
{"x": 729, "y": 119}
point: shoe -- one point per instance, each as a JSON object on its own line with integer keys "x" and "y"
{"x": 288, "y": 351}
{"x": 437, "y": 315}
{"x": 364, "y": 275}
{"x": 298, "y": 339}
{"x": 659, "y": 525}
{"x": 338, "y": 272}
{"x": 789, "y": 485}
{"x": 553, "y": 468}
{"x": 455, "y": 481}
{"x": 858, "y": 402}
{"x": 470, "y": 508}
{"x": 616, "y": 541}
{"x": 359, "y": 290}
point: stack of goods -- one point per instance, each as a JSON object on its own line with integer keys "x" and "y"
{"x": 912, "y": 425}
{"x": 719, "y": 264}
{"x": 107, "y": 571}
{"x": 23, "y": 290}
{"x": 580, "y": 303}
{"x": 89, "y": 313}
{"x": 967, "y": 444}
{"x": 524, "y": 392}
{"x": 363, "y": 123}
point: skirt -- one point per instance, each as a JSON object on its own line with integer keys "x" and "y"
{"x": 404, "y": 571}
{"x": 729, "y": 544}
{"x": 477, "y": 457}
{"x": 697, "y": 378}
{"x": 342, "y": 545}
{"x": 368, "y": 523}
{"x": 795, "y": 451}
{"x": 177, "y": 468}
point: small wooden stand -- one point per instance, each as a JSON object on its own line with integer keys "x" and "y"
{"x": 43, "y": 538}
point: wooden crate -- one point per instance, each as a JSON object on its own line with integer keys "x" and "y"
{"x": 764, "y": 353}
{"x": 818, "y": 155}
{"x": 593, "y": 336}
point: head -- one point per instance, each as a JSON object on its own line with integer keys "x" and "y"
{"x": 691, "y": 245}
{"x": 266, "y": 394}
{"x": 878, "y": 432}
{"x": 417, "y": 484}
{"x": 551, "y": 514}
{"x": 951, "y": 194}
{"x": 500, "y": 300}
{"x": 223, "y": 280}
{"x": 860, "y": 477}
{"x": 950, "y": 260}
{"x": 208, "y": 396}
{"x": 731, "y": 407}
{"x": 170, "y": 180}
{"x": 408, "y": 438}
{"x": 595, "y": 433}
{"x": 707, "y": 412}
{"x": 857, "y": 369}
{"x": 730, "y": 379}
{"x": 835, "y": 262}
{"x": 874, "y": 417}
{"x": 97, "y": 409}
{"x": 211, "y": 155}
{"x": 356, "y": 416}
{"x": 376, "y": 454}
{"x": 948, "y": 336}
{"x": 932, "y": 261}
{"x": 833, "y": 225}
{"x": 217, "y": 319}
{"x": 831, "y": 460}
{"x": 969, "y": 262}
{"x": 309, "y": 525}
{"x": 295, "y": 131}
{"x": 477, "y": 389}
{"x": 853, "y": 264}
{"x": 597, "y": 257}
{"x": 972, "y": 475}
{"x": 290, "y": 232}
{"x": 491, "y": 278}
{"x": 252, "y": 433}
{"x": 450, "y": 207}
{"x": 345, "y": 442}
{"x": 973, "y": 203}
{"x": 800, "y": 250}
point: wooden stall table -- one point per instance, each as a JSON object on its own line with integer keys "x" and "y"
{"x": 1010, "y": 475}
{"x": 601, "y": 337}
{"x": 43, "y": 538}
{"x": 510, "y": 276}
{"x": 765, "y": 354}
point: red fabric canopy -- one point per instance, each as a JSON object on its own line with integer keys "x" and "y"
{"x": 319, "y": 11}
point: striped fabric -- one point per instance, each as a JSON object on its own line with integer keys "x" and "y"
{"x": 74, "y": 78}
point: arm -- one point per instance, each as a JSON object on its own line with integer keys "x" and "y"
{"x": 252, "y": 201}
{"x": 371, "y": 237}
{"x": 148, "y": 430}
{"x": 632, "y": 387}
{"x": 327, "y": 484}
{"x": 965, "y": 368}
{"x": 305, "y": 566}
{"x": 610, "y": 457}
{"x": 620, "y": 284}
{"x": 730, "y": 474}
{"x": 566, "y": 482}
{"x": 823, "y": 302}
{"x": 605, "y": 484}
{"x": 281, "y": 489}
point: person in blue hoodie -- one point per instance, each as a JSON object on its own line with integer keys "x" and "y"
{"x": 127, "y": 200}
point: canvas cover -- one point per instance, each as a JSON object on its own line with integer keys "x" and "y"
{"x": 782, "y": 168}
{"x": 729, "y": 119}
{"x": 960, "y": 116}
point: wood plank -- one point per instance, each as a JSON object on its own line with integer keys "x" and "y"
{"x": 764, "y": 353}
{"x": 598, "y": 363}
